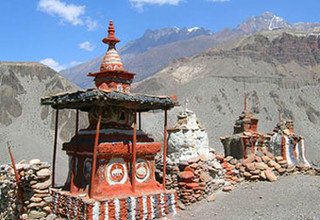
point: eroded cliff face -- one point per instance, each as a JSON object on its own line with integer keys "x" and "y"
{"x": 286, "y": 48}
{"x": 27, "y": 125}
{"x": 278, "y": 71}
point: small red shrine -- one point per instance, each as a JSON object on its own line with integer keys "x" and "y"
{"x": 246, "y": 139}
{"x": 112, "y": 169}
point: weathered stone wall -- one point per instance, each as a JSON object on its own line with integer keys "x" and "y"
{"x": 263, "y": 166}
{"x": 35, "y": 183}
{"x": 194, "y": 179}
{"x": 200, "y": 177}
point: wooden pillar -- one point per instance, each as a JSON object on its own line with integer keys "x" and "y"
{"x": 94, "y": 156}
{"x": 140, "y": 121}
{"x": 55, "y": 149}
{"x": 77, "y": 122}
{"x": 73, "y": 162}
{"x": 18, "y": 180}
{"x": 134, "y": 152}
{"x": 165, "y": 141}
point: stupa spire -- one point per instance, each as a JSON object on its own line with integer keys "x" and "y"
{"x": 111, "y": 60}
{"x": 245, "y": 98}
{"x": 111, "y": 40}
{"x": 112, "y": 76}
{"x": 245, "y": 103}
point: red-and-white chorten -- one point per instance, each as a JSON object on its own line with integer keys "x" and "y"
{"x": 112, "y": 168}
{"x": 245, "y": 140}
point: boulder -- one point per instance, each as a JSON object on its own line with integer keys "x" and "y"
{"x": 255, "y": 177}
{"x": 37, "y": 204}
{"x": 228, "y": 188}
{"x": 37, "y": 214}
{"x": 44, "y": 173}
{"x": 216, "y": 165}
{"x": 250, "y": 166}
{"x": 211, "y": 198}
{"x": 181, "y": 205}
{"x": 263, "y": 175}
{"x": 250, "y": 159}
{"x": 35, "y": 199}
{"x": 34, "y": 162}
{"x": 42, "y": 186}
{"x": 247, "y": 174}
{"x": 270, "y": 175}
{"x": 192, "y": 185}
{"x": 205, "y": 177}
{"x": 278, "y": 159}
{"x": 186, "y": 175}
{"x": 265, "y": 159}
{"x": 261, "y": 166}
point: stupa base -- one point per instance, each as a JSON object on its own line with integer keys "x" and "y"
{"x": 149, "y": 206}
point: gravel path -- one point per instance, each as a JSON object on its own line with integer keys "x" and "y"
{"x": 291, "y": 197}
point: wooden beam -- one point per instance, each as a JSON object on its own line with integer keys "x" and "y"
{"x": 165, "y": 141}
{"x": 18, "y": 182}
{"x": 73, "y": 162}
{"x": 55, "y": 149}
{"x": 94, "y": 156}
{"x": 77, "y": 122}
{"x": 134, "y": 152}
{"x": 140, "y": 121}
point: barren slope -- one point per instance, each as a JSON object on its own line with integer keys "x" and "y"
{"x": 280, "y": 73}
{"x": 24, "y": 123}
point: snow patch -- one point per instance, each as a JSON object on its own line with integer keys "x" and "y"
{"x": 193, "y": 29}
{"x": 275, "y": 21}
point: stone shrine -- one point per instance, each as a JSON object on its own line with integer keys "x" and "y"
{"x": 284, "y": 142}
{"x": 112, "y": 168}
{"x": 246, "y": 139}
{"x": 187, "y": 139}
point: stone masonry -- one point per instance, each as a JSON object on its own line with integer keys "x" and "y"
{"x": 187, "y": 139}
{"x": 35, "y": 183}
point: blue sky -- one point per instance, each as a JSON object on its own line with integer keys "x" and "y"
{"x": 62, "y": 33}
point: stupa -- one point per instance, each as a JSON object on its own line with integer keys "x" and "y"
{"x": 246, "y": 139}
{"x": 112, "y": 169}
{"x": 187, "y": 139}
{"x": 286, "y": 143}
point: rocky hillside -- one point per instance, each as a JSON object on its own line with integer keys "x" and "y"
{"x": 157, "y": 48}
{"x": 26, "y": 125}
{"x": 279, "y": 70}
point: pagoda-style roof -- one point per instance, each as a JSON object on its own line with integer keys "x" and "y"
{"x": 112, "y": 87}
{"x": 84, "y": 100}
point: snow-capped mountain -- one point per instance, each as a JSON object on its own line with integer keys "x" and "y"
{"x": 153, "y": 38}
{"x": 265, "y": 21}
{"x": 157, "y": 48}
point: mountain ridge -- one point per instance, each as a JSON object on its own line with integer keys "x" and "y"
{"x": 158, "y": 48}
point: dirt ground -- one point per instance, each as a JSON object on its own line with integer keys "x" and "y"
{"x": 291, "y": 197}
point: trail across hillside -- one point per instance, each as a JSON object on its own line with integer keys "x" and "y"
{"x": 291, "y": 197}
